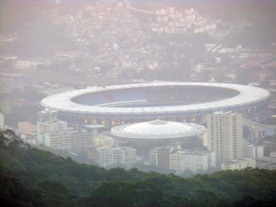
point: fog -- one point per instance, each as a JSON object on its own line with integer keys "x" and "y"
{"x": 163, "y": 70}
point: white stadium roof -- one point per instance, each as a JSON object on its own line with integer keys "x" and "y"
{"x": 248, "y": 95}
{"x": 157, "y": 130}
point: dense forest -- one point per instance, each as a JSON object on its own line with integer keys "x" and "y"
{"x": 31, "y": 177}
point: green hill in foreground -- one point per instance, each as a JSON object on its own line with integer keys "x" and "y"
{"x": 31, "y": 177}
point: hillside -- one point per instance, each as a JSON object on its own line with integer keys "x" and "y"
{"x": 31, "y": 177}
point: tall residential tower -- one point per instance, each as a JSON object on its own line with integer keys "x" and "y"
{"x": 225, "y": 135}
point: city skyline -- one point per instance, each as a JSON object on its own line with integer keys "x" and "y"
{"x": 115, "y": 55}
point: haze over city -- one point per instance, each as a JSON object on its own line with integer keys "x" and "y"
{"x": 177, "y": 87}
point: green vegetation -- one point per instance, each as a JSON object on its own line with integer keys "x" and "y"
{"x": 31, "y": 177}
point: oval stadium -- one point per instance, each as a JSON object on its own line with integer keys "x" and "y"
{"x": 171, "y": 101}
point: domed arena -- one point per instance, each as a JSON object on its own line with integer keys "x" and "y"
{"x": 157, "y": 130}
{"x": 171, "y": 101}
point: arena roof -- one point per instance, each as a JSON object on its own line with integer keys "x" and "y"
{"x": 157, "y": 130}
{"x": 247, "y": 96}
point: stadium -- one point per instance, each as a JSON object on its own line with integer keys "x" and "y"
{"x": 157, "y": 130}
{"x": 170, "y": 101}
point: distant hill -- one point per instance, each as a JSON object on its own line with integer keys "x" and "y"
{"x": 31, "y": 177}
{"x": 223, "y": 9}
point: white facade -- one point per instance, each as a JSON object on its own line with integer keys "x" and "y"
{"x": 9, "y": 81}
{"x": 225, "y": 135}
{"x": 239, "y": 164}
{"x": 48, "y": 123}
{"x": 101, "y": 140}
{"x": 58, "y": 141}
{"x": 253, "y": 151}
{"x": 194, "y": 161}
{"x": 2, "y": 121}
{"x": 46, "y": 115}
{"x": 70, "y": 140}
{"x": 157, "y": 130}
{"x": 54, "y": 133}
{"x": 81, "y": 140}
{"x": 113, "y": 155}
{"x": 50, "y": 127}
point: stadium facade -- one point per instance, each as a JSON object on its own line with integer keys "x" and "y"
{"x": 171, "y": 101}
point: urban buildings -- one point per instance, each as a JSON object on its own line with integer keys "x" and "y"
{"x": 269, "y": 146}
{"x": 253, "y": 151}
{"x": 54, "y": 133}
{"x": 60, "y": 141}
{"x": 101, "y": 140}
{"x": 194, "y": 161}
{"x": 10, "y": 81}
{"x": 176, "y": 160}
{"x": 109, "y": 155}
{"x": 2, "y": 121}
{"x": 159, "y": 156}
{"x": 225, "y": 135}
{"x": 239, "y": 164}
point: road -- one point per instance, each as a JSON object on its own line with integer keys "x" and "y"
{"x": 256, "y": 125}
{"x": 129, "y": 6}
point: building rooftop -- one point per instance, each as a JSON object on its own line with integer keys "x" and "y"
{"x": 157, "y": 130}
{"x": 64, "y": 101}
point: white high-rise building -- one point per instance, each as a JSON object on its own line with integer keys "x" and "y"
{"x": 112, "y": 155}
{"x": 51, "y": 127}
{"x": 225, "y": 135}
{"x": 182, "y": 160}
{"x": 49, "y": 123}
{"x": 52, "y": 132}
{"x": 60, "y": 141}
{"x": 2, "y": 122}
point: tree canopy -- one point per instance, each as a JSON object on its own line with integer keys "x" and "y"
{"x": 31, "y": 177}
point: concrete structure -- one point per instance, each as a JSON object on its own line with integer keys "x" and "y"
{"x": 260, "y": 130}
{"x": 173, "y": 101}
{"x": 225, "y": 135}
{"x": 10, "y": 81}
{"x": 253, "y": 151}
{"x": 157, "y": 130}
{"x": 101, "y": 140}
{"x": 70, "y": 140}
{"x": 267, "y": 163}
{"x": 51, "y": 127}
{"x": 81, "y": 140}
{"x": 2, "y": 121}
{"x": 269, "y": 146}
{"x": 160, "y": 157}
{"x": 54, "y": 133}
{"x": 113, "y": 155}
{"x": 46, "y": 115}
{"x": 239, "y": 164}
{"x": 49, "y": 123}
{"x": 60, "y": 141}
{"x": 182, "y": 160}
